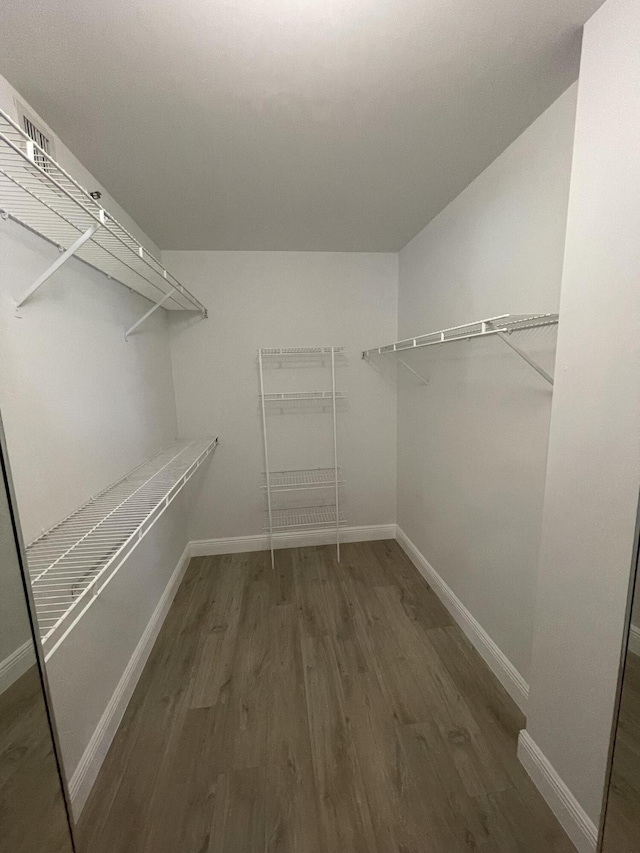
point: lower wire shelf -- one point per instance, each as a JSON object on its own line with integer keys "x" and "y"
{"x": 72, "y": 563}
{"x": 307, "y": 516}
{"x": 296, "y": 480}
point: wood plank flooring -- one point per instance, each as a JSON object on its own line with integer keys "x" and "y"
{"x": 320, "y": 708}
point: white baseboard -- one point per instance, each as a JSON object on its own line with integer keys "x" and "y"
{"x": 498, "y": 662}
{"x": 86, "y": 772}
{"x": 634, "y": 640}
{"x": 241, "y": 544}
{"x": 577, "y": 824}
{"x": 16, "y": 664}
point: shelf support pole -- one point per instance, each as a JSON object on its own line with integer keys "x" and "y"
{"x": 266, "y": 460}
{"x": 147, "y": 314}
{"x": 62, "y": 259}
{"x": 335, "y": 449}
{"x": 415, "y": 372}
{"x": 526, "y": 357}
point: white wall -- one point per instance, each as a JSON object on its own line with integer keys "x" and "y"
{"x": 284, "y": 299}
{"x": 593, "y": 472}
{"x": 472, "y": 444}
{"x": 81, "y": 407}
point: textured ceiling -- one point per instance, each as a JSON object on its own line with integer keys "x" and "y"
{"x": 340, "y": 125}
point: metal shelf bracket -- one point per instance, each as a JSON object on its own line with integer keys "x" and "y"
{"x": 505, "y": 337}
{"x": 419, "y": 376}
{"x": 148, "y": 313}
{"x": 62, "y": 259}
{"x": 415, "y": 372}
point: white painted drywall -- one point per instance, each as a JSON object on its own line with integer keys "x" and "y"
{"x": 274, "y": 299}
{"x": 593, "y": 472}
{"x": 81, "y": 407}
{"x": 472, "y": 444}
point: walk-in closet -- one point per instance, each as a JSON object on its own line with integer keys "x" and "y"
{"x": 319, "y": 406}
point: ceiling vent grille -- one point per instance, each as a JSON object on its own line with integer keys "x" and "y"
{"x": 34, "y": 133}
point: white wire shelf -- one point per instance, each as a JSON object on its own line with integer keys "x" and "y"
{"x": 279, "y": 352}
{"x": 505, "y": 323}
{"x": 302, "y": 395}
{"x": 39, "y": 194}
{"x": 502, "y": 326}
{"x": 294, "y": 480}
{"x": 308, "y": 516}
{"x": 72, "y": 563}
{"x": 303, "y": 479}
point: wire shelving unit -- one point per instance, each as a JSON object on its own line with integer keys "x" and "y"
{"x": 293, "y": 396}
{"x": 318, "y": 516}
{"x": 306, "y": 478}
{"x": 38, "y": 193}
{"x": 72, "y": 563}
{"x": 502, "y": 326}
{"x": 296, "y": 352}
{"x": 308, "y": 516}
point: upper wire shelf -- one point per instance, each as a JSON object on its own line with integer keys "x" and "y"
{"x": 39, "y": 194}
{"x": 72, "y": 563}
{"x": 294, "y": 357}
{"x": 501, "y": 326}
{"x": 302, "y": 395}
{"x": 279, "y": 352}
{"x": 505, "y": 323}
{"x": 303, "y": 479}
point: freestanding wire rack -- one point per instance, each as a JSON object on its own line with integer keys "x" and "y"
{"x": 326, "y": 481}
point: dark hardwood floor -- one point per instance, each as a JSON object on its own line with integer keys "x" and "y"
{"x": 322, "y": 708}
{"x": 622, "y": 824}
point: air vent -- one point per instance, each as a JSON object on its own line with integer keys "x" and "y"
{"x": 41, "y": 140}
